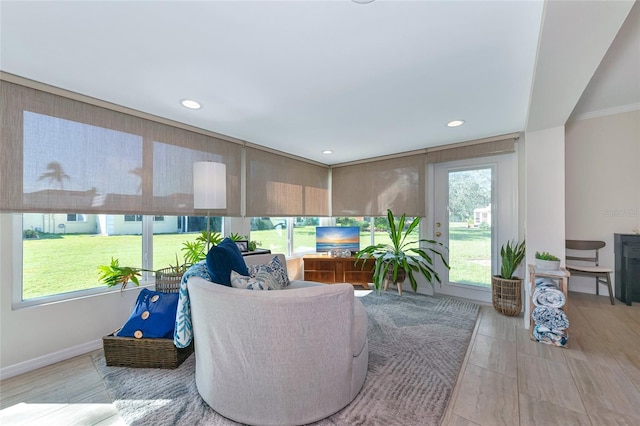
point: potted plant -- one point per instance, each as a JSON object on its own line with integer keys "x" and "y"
{"x": 395, "y": 261}
{"x": 546, "y": 261}
{"x": 195, "y": 251}
{"x": 114, "y": 274}
{"x": 167, "y": 279}
{"x": 505, "y": 288}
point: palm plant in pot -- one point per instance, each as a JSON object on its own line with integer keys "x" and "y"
{"x": 505, "y": 288}
{"x": 401, "y": 257}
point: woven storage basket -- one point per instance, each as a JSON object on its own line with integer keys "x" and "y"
{"x": 143, "y": 353}
{"x": 168, "y": 281}
{"x": 507, "y": 297}
{"x": 148, "y": 353}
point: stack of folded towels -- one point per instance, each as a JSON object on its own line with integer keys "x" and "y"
{"x": 550, "y": 320}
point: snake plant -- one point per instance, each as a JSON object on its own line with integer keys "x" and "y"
{"x": 512, "y": 254}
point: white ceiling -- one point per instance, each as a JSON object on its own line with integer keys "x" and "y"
{"x": 362, "y": 80}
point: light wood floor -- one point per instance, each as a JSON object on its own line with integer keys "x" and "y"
{"x": 506, "y": 379}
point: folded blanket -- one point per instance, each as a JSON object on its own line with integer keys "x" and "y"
{"x": 552, "y": 318}
{"x": 551, "y": 337}
{"x": 548, "y": 294}
{"x": 183, "y": 334}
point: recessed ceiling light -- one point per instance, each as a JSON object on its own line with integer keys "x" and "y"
{"x": 455, "y": 123}
{"x": 327, "y": 151}
{"x": 191, "y": 104}
{"x": 362, "y": 1}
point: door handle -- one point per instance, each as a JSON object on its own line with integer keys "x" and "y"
{"x": 438, "y": 234}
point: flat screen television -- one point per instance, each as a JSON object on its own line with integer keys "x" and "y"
{"x": 344, "y": 237}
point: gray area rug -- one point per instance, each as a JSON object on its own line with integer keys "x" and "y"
{"x": 416, "y": 347}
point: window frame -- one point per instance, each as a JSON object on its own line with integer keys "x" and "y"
{"x": 17, "y": 302}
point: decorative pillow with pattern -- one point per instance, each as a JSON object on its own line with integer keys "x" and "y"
{"x": 262, "y": 281}
{"x": 275, "y": 268}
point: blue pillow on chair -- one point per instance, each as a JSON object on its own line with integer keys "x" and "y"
{"x": 154, "y": 316}
{"x": 224, "y": 258}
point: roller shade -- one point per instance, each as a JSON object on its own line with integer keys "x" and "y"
{"x": 283, "y": 186}
{"x": 369, "y": 189}
{"x": 61, "y": 155}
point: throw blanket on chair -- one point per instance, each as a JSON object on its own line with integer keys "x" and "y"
{"x": 552, "y": 318}
{"x": 183, "y": 333}
{"x": 552, "y": 337}
{"x": 548, "y": 294}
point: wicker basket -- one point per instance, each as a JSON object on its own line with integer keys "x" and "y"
{"x": 507, "y": 296}
{"x": 148, "y": 353}
{"x": 168, "y": 281}
{"x": 143, "y": 353}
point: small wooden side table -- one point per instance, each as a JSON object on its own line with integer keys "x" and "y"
{"x": 562, "y": 278}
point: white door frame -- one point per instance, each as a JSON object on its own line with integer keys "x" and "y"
{"x": 504, "y": 214}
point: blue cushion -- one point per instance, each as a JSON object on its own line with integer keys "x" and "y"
{"x": 224, "y": 258}
{"x": 154, "y": 315}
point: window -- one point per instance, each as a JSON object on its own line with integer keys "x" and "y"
{"x": 365, "y": 228}
{"x": 138, "y": 218}
{"x": 171, "y": 234}
{"x": 271, "y": 233}
{"x": 57, "y": 261}
{"x": 304, "y": 234}
{"x": 76, "y": 218}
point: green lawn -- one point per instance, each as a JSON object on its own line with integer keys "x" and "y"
{"x": 470, "y": 255}
{"x": 70, "y": 262}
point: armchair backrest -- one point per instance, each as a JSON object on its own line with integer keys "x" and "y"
{"x": 292, "y": 344}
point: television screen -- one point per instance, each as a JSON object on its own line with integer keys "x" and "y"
{"x": 346, "y": 237}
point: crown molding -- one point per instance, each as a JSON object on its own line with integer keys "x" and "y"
{"x": 605, "y": 112}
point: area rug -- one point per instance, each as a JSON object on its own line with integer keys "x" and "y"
{"x": 416, "y": 347}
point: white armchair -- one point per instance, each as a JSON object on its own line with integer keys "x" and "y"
{"x": 291, "y": 356}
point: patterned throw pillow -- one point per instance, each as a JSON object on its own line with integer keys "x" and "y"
{"x": 262, "y": 281}
{"x": 275, "y": 268}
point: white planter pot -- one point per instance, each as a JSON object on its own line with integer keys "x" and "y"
{"x": 547, "y": 265}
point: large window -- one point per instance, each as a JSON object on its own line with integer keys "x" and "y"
{"x": 57, "y": 262}
{"x": 271, "y": 233}
{"x": 171, "y": 235}
{"x": 90, "y": 184}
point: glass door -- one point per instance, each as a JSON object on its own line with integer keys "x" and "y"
{"x": 472, "y": 209}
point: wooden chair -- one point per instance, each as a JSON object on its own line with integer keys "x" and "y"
{"x": 601, "y": 274}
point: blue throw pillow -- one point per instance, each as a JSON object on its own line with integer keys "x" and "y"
{"x": 154, "y": 316}
{"x": 224, "y": 258}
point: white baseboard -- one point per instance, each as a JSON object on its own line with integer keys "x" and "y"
{"x": 52, "y": 358}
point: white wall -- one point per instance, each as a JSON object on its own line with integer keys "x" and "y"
{"x": 602, "y": 159}
{"x": 544, "y": 190}
{"x": 545, "y": 206}
{"x": 41, "y": 335}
